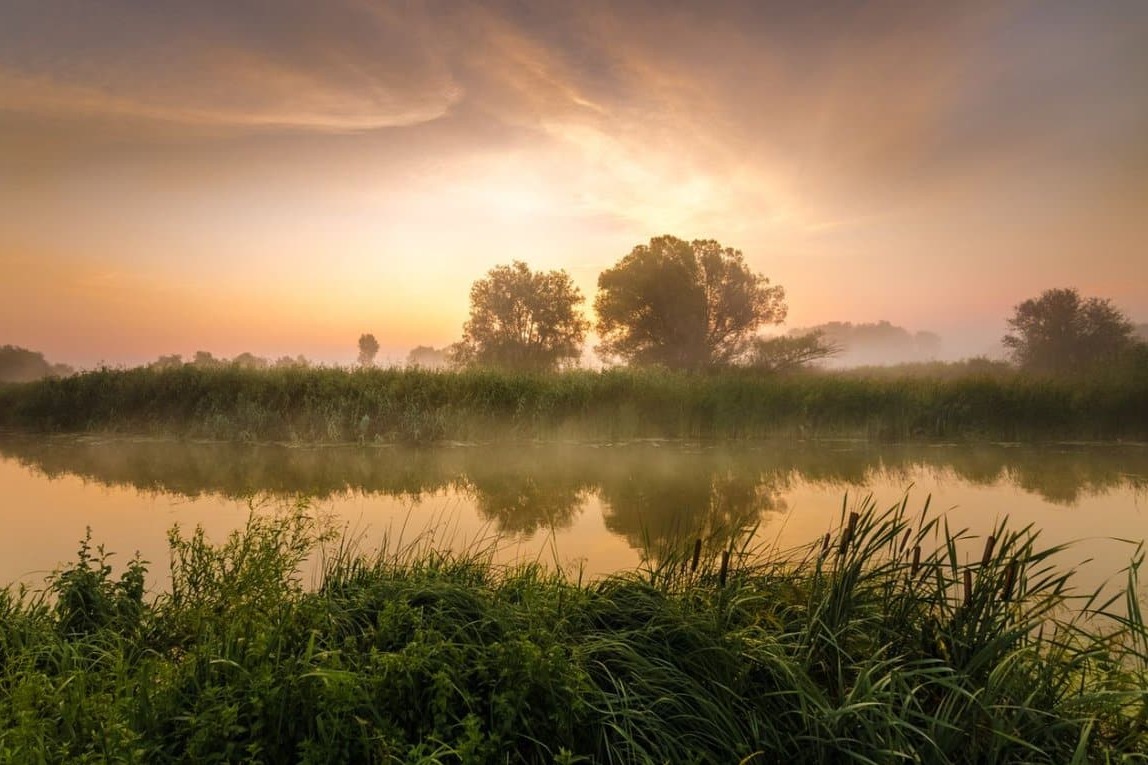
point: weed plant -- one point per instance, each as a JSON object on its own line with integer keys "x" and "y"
{"x": 420, "y": 406}
{"x": 879, "y": 643}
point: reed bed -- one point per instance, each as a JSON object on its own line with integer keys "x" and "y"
{"x": 420, "y": 406}
{"x": 885, "y": 641}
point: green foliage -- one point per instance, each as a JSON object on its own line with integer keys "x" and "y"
{"x": 1060, "y": 333}
{"x": 316, "y": 405}
{"x": 879, "y": 642}
{"x": 683, "y": 305}
{"x": 522, "y": 320}
{"x": 87, "y": 599}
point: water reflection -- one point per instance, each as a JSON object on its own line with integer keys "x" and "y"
{"x": 650, "y": 493}
{"x": 662, "y": 502}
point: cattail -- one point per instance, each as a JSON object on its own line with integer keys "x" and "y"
{"x": 905, "y": 541}
{"x": 697, "y": 555}
{"x": 847, "y": 535}
{"x": 916, "y": 560}
{"x": 724, "y": 567}
{"x": 825, "y": 544}
{"x": 1009, "y": 581}
{"x": 968, "y": 586}
{"x": 989, "y": 544}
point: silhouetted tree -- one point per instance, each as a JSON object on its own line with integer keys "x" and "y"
{"x": 426, "y": 357}
{"x": 683, "y": 304}
{"x": 286, "y": 362}
{"x": 247, "y": 360}
{"x": 171, "y": 361}
{"x": 22, "y": 365}
{"x": 206, "y": 360}
{"x": 788, "y": 352}
{"x": 522, "y": 320}
{"x": 1061, "y": 332}
{"x": 368, "y": 349}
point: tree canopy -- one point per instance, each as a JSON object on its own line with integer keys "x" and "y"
{"x": 1060, "y": 332}
{"x": 520, "y": 319}
{"x": 683, "y": 304}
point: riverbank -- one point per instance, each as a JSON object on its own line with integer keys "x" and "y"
{"x": 881, "y": 641}
{"x": 324, "y": 405}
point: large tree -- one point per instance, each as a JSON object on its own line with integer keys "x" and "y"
{"x": 520, "y": 319}
{"x": 683, "y": 304}
{"x": 1061, "y": 332}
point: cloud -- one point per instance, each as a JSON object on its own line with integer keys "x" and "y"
{"x": 240, "y": 64}
{"x": 682, "y": 114}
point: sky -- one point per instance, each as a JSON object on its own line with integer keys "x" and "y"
{"x": 240, "y": 175}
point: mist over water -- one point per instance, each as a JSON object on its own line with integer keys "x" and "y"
{"x": 599, "y": 507}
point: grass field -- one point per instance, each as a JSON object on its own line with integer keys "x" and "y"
{"x": 418, "y": 406}
{"x": 882, "y": 642}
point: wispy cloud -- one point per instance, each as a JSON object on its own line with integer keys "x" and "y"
{"x": 243, "y": 65}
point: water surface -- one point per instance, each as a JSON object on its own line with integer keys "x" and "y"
{"x": 594, "y": 507}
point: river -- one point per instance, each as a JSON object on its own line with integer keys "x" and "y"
{"x": 593, "y": 508}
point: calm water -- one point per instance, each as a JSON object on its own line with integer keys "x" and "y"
{"x": 600, "y": 507}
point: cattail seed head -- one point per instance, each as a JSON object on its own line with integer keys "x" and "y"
{"x": 1009, "y": 581}
{"x": 989, "y": 544}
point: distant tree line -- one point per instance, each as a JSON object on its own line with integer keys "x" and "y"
{"x": 697, "y": 305}
{"x": 694, "y": 305}
{"x": 22, "y": 365}
{"x": 875, "y": 343}
{"x": 207, "y": 360}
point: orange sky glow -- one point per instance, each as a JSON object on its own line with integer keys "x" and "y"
{"x": 279, "y": 178}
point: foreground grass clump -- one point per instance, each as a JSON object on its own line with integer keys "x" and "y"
{"x": 414, "y": 405}
{"x": 865, "y": 647}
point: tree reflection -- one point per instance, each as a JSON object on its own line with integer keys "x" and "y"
{"x": 656, "y": 497}
{"x": 522, "y": 491}
{"x": 661, "y": 507}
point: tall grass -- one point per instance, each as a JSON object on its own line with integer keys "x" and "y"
{"x": 878, "y": 643}
{"x": 419, "y": 406}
